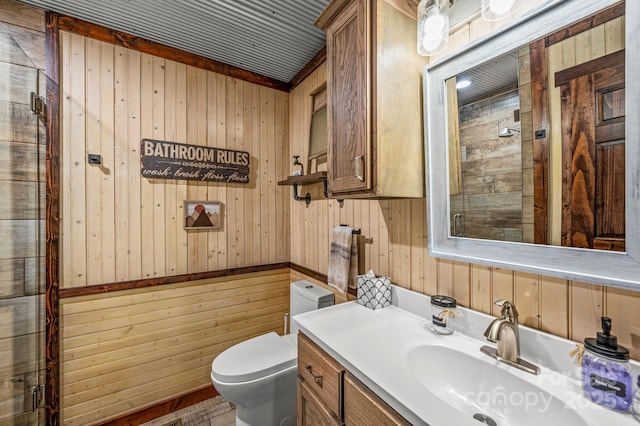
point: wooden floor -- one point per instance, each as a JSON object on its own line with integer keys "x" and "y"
{"x": 212, "y": 412}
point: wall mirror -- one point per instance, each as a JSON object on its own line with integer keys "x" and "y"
{"x": 318, "y": 130}
{"x": 529, "y": 166}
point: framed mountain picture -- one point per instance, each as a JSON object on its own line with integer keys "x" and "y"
{"x": 202, "y": 215}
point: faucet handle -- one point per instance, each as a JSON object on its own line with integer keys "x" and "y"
{"x": 508, "y": 309}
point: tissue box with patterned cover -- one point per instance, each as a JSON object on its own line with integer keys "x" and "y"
{"x": 374, "y": 292}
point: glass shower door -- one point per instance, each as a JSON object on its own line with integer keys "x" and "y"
{"x": 22, "y": 224}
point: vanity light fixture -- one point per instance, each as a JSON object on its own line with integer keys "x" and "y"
{"x": 434, "y": 18}
{"x": 433, "y": 26}
{"x": 494, "y": 10}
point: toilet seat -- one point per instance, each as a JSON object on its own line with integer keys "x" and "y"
{"x": 255, "y": 358}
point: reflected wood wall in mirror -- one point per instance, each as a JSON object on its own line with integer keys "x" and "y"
{"x": 546, "y": 155}
{"x": 502, "y": 135}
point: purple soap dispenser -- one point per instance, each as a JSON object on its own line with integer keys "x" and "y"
{"x": 606, "y": 375}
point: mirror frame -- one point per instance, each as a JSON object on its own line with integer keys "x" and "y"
{"x": 619, "y": 269}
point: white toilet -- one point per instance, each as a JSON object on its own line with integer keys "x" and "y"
{"x": 259, "y": 374}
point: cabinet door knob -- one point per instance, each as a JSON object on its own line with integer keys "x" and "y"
{"x": 359, "y": 160}
{"x": 317, "y": 379}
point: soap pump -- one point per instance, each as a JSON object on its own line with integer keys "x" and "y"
{"x": 606, "y": 375}
{"x": 296, "y": 162}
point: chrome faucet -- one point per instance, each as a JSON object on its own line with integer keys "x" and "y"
{"x": 504, "y": 332}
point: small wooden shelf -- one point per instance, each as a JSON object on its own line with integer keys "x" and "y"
{"x": 310, "y": 179}
{"x": 304, "y": 179}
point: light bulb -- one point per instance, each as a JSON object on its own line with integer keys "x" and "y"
{"x": 434, "y": 24}
{"x": 494, "y": 10}
{"x": 433, "y": 27}
{"x": 461, "y": 84}
{"x": 500, "y": 7}
{"x": 431, "y": 44}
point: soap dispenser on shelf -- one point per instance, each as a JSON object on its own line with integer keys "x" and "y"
{"x": 298, "y": 178}
{"x": 606, "y": 375}
{"x": 297, "y": 171}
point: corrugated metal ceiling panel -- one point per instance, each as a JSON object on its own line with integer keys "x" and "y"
{"x": 274, "y": 38}
{"x": 489, "y": 78}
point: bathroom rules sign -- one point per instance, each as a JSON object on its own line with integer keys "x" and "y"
{"x": 172, "y": 160}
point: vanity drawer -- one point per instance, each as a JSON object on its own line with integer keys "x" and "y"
{"x": 322, "y": 373}
{"x": 311, "y": 411}
{"x": 363, "y": 407}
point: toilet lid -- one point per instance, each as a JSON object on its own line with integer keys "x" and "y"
{"x": 255, "y": 358}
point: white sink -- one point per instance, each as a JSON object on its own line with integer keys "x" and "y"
{"x": 479, "y": 387}
{"x": 436, "y": 380}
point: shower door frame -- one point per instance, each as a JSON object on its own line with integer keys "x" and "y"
{"x": 52, "y": 257}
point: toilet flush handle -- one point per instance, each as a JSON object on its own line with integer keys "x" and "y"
{"x": 286, "y": 323}
{"x": 317, "y": 379}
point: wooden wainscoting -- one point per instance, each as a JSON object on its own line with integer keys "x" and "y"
{"x": 124, "y": 351}
{"x": 116, "y": 227}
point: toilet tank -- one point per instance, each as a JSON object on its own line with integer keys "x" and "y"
{"x": 306, "y": 296}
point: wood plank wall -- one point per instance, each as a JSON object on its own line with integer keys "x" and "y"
{"x": 602, "y": 40}
{"x": 117, "y": 226}
{"x": 397, "y": 246}
{"x": 22, "y": 143}
{"x": 492, "y": 186}
{"x": 130, "y": 349}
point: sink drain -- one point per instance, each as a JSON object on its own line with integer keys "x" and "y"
{"x": 484, "y": 419}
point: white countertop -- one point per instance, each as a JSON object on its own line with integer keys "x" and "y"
{"x": 372, "y": 344}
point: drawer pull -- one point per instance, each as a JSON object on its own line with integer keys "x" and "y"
{"x": 317, "y": 379}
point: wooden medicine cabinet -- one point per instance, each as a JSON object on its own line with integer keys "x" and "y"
{"x": 374, "y": 105}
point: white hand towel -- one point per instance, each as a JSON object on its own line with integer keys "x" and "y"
{"x": 340, "y": 254}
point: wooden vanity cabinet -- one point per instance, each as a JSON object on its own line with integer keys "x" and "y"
{"x": 319, "y": 385}
{"x": 362, "y": 407}
{"x": 375, "y": 145}
{"x": 328, "y": 395}
{"x": 311, "y": 411}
